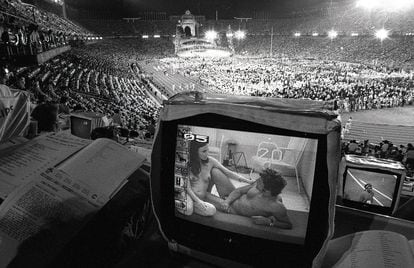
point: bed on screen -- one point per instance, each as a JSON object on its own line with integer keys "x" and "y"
{"x": 244, "y": 225}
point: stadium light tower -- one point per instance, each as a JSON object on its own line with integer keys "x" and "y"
{"x": 211, "y": 35}
{"x": 382, "y": 34}
{"x": 332, "y": 34}
{"x": 367, "y": 4}
{"x": 240, "y": 34}
{"x": 241, "y": 20}
{"x": 386, "y": 5}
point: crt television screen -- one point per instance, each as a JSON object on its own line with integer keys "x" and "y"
{"x": 249, "y": 183}
{"x": 81, "y": 127}
{"x": 370, "y": 187}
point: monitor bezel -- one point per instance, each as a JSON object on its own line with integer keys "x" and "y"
{"x": 372, "y": 207}
{"x": 233, "y": 246}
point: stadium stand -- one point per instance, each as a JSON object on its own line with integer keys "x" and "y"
{"x": 333, "y": 64}
{"x": 358, "y": 72}
{"x": 28, "y": 30}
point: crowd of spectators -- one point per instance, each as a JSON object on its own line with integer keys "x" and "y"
{"x": 27, "y": 30}
{"x": 44, "y": 19}
{"x": 109, "y": 70}
{"x": 357, "y": 72}
{"x": 89, "y": 79}
{"x": 385, "y": 150}
{"x": 353, "y": 86}
{"x": 124, "y": 27}
{"x": 393, "y": 53}
{"x": 346, "y": 19}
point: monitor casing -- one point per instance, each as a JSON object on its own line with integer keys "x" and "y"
{"x": 82, "y": 124}
{"x": 298, "y": 118}
{"x": 371, "y": 165}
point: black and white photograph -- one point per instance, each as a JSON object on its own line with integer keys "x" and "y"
{"x": 206, "y": 133}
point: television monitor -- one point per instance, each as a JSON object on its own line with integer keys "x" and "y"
{"x": 372, "y": 184}
{"x": 289, "y": 226}
{"x": 82, "y": 124}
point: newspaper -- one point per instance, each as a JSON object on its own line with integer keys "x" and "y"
{"x": 35, "y": 156}
{"x": 38, "y": 205}
{"x": 102, "y": 166}
{"x": 60, "y": 200}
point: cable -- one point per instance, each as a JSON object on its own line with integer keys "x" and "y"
{"x": 152, "y": 202}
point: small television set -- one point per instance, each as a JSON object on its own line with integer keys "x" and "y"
{"x": 241, "y": 139}
{"x": 371, "y": 184}
{"x": 82, "y": 124}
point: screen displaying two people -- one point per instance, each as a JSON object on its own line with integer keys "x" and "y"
{"x": 246, "y": 182}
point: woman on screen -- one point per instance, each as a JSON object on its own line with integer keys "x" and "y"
{"x": 205, "y": 172}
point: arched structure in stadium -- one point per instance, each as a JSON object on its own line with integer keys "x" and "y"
{"x": 188, "y": 24}
{"x": 187, "y": 42}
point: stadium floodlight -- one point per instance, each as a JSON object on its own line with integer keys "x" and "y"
{"x": 332, "y": 34}
{"x": 240, "y": 34}
{"x": 315, "y": 34}
{"x": 368, "y": 4}
{"x": 211, "y": 35}
{"x": 354, "y": 34}
{"x": 145, "y": 36}
{"x": 229, "y": 35}
{"x": 381, "y": 34}
{"x": 387, "y": 5}
{"x": 297, "y": 34}
{"x": 157, "y": 36}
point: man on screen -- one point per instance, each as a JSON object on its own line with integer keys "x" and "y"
{"x": 368, "y": 195}
{"x": 261, "y": 201}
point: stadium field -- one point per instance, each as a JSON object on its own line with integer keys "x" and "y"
{"x": 391, "y": 116}
{"x": 174, "y": 82}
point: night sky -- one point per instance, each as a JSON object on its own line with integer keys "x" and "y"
{"x": 226, "y": 8}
